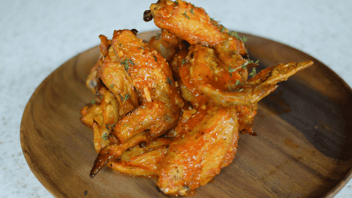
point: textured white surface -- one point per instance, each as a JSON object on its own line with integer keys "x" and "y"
{"x": 37, "y": 36}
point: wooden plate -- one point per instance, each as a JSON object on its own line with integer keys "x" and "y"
{"x": 303, "y": 147}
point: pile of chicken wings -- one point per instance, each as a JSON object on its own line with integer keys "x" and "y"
{"x": 173, "y": 108}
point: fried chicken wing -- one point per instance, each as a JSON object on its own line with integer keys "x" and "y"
{"x": 94, "y": 75}
{"x": 115, "y": 77}
{"x": 153, "y": 81}
{"x": 110, "y": 116}
{"x": 92, "y": 79}
{"x": 226, "y": 88}
{"x": 166, "y": 44}
{"x": 143, "y": 159}
{"x": 246, "y": 116}
{"x": 91, "y": 113}
{"x": 155, "y": 88}
{"x": 188, "y": 22}
{"x": 196, "y": 156}
{"x": 254, "y": 90}
{"x": 178, "y": 60}
{"x": 172, "y": 48}
{"x": 193, "y": 24}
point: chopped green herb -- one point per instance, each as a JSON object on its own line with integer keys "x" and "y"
{"x": 101, "y": 96}
{"x": 107, "y": 126}
{"x": 105, "y": 136}
{"x": 231, "y": 70}
{"x": 125, "y": 62}
{"x": 93, "y": 102}
{"x": 244, "y": 65}
{"x": 244, "y": 39}
{"x": 211, "y": 19}
{"x": 253, "y": 73}
{"x": 238, "y": 82}
{"x": 193, "y": 5}
{"x": 176, "y": 2}
{"x": 156, "y": 60}
{"x": 241, "y": 89}
{"x": 112, "y": 85}
{"x": 169, "y": 81}
{"x": 126, "y": 66}
{"x": 223, "y": 29}
{"x": 186, "y": 15}
{"x": 235, "y": 34}
{"x": 183, "y": 61}
{"x": 127, "y": 96}
{"x": 251, "y": 61}
{"x": 192, "y": 11}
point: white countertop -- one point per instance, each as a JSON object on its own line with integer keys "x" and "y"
{"x": 37, "y": 36}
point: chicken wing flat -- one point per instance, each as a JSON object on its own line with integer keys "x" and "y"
{"x": 195, "y": 157}
{"x": 212, "y": 80}
{"x": 143, "y": 159}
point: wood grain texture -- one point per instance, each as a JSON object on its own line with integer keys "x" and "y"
{"x": 303, "y": 147}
